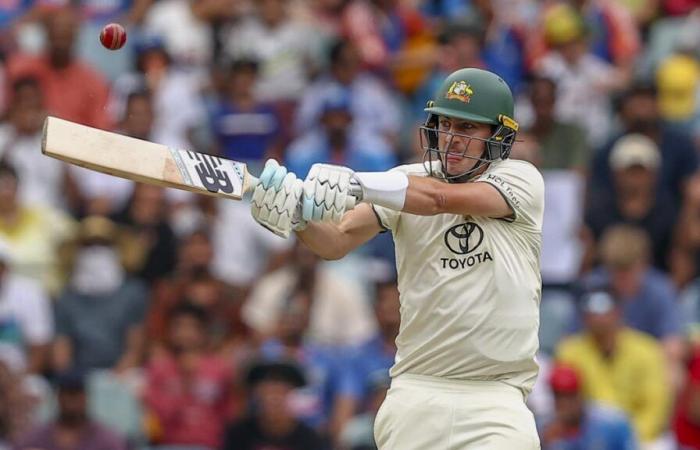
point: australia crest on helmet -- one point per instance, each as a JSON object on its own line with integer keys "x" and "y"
{"x": 460, "y": 90}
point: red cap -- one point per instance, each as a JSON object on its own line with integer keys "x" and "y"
{"x": 564, "y": 379}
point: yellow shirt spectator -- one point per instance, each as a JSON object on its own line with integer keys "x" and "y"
{"x": 633, "y": 378}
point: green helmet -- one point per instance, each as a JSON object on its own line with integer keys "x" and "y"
{"x": 478, "y": 96}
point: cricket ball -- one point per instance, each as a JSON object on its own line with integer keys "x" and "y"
{"x": 113, "y": 36}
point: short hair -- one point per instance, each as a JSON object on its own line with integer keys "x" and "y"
{"x": 23, "y": 82}
{"x": 623, "y": 246}
{"x": 637, "y": 89}
{"x": 190, "y": 310}
{"x": 141, "y": 94}
{"x": 246, "y": 64}
{"x": 7, "y": 169}
{"x": 336, "y": 50}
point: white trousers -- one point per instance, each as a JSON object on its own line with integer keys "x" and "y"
{"x": 428, "y": 413}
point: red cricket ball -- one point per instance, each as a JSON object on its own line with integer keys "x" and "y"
{"x": 113, "y": 36}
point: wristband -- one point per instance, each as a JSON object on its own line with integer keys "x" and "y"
{"x": 386, "y": 189}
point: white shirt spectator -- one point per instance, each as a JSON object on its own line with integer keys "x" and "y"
{"x": 188, "y": 40}
{"x": 40, "y": 177}
{"x": 25, "y": 315}
{"x": 581, "y": 95}
{"x": 284, "y": 53}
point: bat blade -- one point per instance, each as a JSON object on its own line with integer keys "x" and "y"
{"x": 144, "y": 161}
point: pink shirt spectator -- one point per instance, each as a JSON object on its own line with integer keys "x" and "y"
{"x": 191, "y": 408}
{"x": 76, "y": 93}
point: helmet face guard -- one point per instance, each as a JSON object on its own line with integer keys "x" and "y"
{"x": 497, "y": 146}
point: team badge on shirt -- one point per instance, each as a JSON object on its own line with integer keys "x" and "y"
{"x": 461, "y": 91}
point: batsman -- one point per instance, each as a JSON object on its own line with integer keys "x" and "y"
{"x": 467, "y": 224}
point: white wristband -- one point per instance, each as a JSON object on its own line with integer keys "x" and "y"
{"x": 383, "y": 188}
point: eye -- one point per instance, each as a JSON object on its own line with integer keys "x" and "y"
{"x": 444, "y": 124}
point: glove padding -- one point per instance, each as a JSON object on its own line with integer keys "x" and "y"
{"x": 327, "y": 193}
{"x": 275, "y": 202}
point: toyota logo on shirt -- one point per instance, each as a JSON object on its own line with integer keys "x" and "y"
{"x": 464, "y": 238}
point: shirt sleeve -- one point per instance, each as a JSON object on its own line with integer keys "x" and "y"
{"x": 522, "y": 186}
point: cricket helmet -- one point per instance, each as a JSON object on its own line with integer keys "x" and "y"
{"x": 478, "y": 96}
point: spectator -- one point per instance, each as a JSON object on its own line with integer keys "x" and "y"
{"x": 99, "y": 315}
{"x": 340, "y": 313}
{"x": 562, "y": 145}
{"x": 33, "y": 234}
{"x": 186, "y": 30}
{"x": 337, "y": 141}
{"x": 639, "y": 113}
{"x": 72, "y": 89}
{"x": 358, "y": 434}
{"x": 330, "y": 396}
{"x": 584, "y": 81}
{"x": 272, "y": 424}
{"x": 648, "y": 299}
{"x": 376, "y": 356}
{"x": 685, "y": 422}
{"x": 685, "y": 260}
{"x": 26, "y": 321}
{"x": 608, "y": 355}
{"x": 636, "y": 199}
{"x": 43, "y": 179}
{"x": 282, "y": 45}
{"x": 578, "y": 424}
{"x": 188, "y": 389}
{"x": 15, "y": 403}
{"x": 245, "y": 128}
{"x": 145, "y": 216}
{"x": 72, "y": 428}
{"x": 372, "y": 106}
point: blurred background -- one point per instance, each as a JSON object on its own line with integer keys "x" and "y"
{"x": 138, "y": 317}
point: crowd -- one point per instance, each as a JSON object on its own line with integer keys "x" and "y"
{"x": 138, "y": 317}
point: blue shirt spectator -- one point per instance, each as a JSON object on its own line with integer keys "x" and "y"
{"x": 653, "y": 309}
{"x": 328, "y": 377}
{"x": 601, "y": 429}
{"x": 244, "y": 134}
{"x": 371, "y": 362}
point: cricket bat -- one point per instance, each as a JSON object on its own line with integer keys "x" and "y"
{"x": 145, "y": 161}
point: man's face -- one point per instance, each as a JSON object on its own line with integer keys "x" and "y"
{"x": 72, "y": 405}
{"x": 61, "y": 31}
{"x": 640, "y": 114}
{"x": 543, "y": 98}
{"x": 27, "y": 110}
{"x": 456, "y": 137}
{"x": 8, "y": 191}
{"x": 603, "y": 323}
{"x": 569, "y": 407}
{"x": 634, "y": 179}
{"x": 627, "y": 281}
{"x": 139, "y": 118}
{"x": 186, "y": 333}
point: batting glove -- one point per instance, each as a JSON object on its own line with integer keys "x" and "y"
{"x": 327, "y": 193}
{"x": 276, "y": 200}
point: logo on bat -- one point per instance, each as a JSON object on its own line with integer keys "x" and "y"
{"x": 464, "y": 238}
{"x": 461, "y": 91}
{"x": 211, "y": 174}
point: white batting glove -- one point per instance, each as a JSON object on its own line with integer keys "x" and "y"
{"x": 327, "y": 193}
{"x": 275, "y": 202}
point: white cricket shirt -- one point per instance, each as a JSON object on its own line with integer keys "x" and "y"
{"x": 470, "y": 286}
